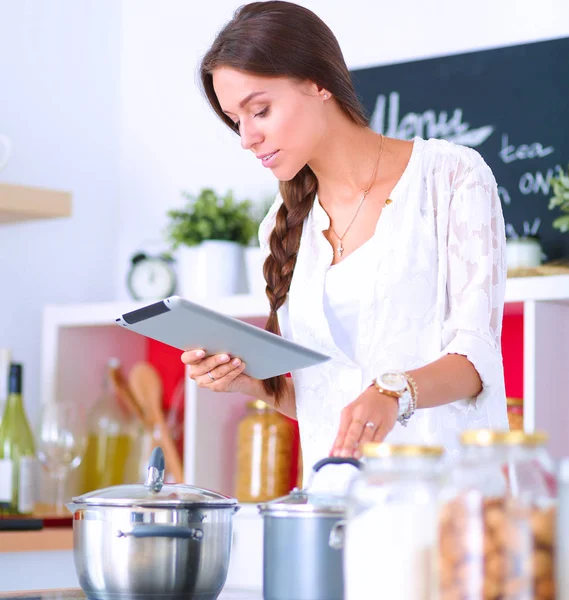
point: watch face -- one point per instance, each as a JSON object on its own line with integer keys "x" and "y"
{"x": 394, "y": 382}
{"x": 151, "y": 279}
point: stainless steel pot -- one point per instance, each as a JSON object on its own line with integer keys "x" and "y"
{"x": 302, "y": 548}
{"x": 136, "y": 542}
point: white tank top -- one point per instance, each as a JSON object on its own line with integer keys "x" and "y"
{"x": 342, "y": 292}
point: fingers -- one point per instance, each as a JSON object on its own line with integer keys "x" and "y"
{"x": 345, "y": 420}
{"x": 192, "y": 356}
{"x": 380, "y": 433}
{"x": 200, "y": 366}
{"x": 368, "y": 435}
{"x": 351, "y": 429}
{"x": 219, "y": 379}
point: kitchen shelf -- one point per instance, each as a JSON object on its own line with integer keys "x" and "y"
{"x": 49, "y": 539}
{"x": 22, "y": 203}
{"x": 78, "y": 339}
{"x": 547, "y": 288}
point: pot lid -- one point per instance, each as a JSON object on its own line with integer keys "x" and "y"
{"x": 154, "y": 493}
{"x": 303, "y": 503}
{"x": 314, "y": 500}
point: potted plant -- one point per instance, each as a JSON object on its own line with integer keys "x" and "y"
{"x": 560, "y": 199}
{"x": 209, "y": 235}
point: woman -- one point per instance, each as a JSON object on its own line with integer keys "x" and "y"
{"x": 387, "y": 255}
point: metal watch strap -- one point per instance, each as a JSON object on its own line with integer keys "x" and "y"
{"x": 405, "y": 401}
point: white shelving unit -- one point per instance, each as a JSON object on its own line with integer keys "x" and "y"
{"x": 77, "y": 340}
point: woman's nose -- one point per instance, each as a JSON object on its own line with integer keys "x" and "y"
{"x": 250, "y": 135}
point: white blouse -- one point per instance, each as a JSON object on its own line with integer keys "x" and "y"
{"x": 432, "y": 284}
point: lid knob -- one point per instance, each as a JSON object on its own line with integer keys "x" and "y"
{"x": 156, "y": 467}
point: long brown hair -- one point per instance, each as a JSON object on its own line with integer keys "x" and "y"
{"x": 282, "y": 39}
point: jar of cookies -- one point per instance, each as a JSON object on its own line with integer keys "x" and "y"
{"x": 497, "y": 519}
{"x": 264, "y": 454}
{"x": 390, "y": 548}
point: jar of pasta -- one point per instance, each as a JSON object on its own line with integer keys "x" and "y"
{"x": 264, "y": 454}
{"x": 497, "y": 519}
{"x": 515, "y": 413}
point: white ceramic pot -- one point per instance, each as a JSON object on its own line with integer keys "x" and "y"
{"x": 254, "y": 266}
{"x": 214, "y": 268}
{"x": 523, "y": 253}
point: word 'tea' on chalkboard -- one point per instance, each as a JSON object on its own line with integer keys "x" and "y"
{"x": 511, "y": 104}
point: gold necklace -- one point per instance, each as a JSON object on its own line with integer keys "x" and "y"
{"x": 340, "y": 248}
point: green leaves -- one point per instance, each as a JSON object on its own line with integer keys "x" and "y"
{"x": 560, "y": 199}
{"x": 211, "y": 217}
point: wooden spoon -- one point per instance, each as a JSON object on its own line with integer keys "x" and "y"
{"x": 124, "y": 392}
{"x": 146, "y": 386}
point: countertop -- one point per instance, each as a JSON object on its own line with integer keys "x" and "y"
{"x": 77, "y": 594}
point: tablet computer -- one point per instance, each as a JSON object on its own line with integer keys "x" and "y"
{"x": 186, "y": 325}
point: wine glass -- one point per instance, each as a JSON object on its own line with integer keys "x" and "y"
{"x": 61, "y": 442}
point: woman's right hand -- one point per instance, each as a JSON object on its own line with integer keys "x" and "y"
{"x": 218, "y": 372}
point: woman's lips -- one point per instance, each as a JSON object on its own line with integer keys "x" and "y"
{"x": 269, "y": 159}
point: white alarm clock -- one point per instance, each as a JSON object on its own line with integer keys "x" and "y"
{"x": 151, "y": 277}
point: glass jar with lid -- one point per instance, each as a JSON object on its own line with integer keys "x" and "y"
{"x": 391, "y": 528}
{"x": 264, "y": 454}
{"x": 497, "y": 519}
{"x": 515, "y": 412}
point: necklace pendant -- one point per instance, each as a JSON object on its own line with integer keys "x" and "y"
{"x": 340, "y": 250}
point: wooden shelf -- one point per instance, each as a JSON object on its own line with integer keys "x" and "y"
{"x": 47, "y": 539}
{"x": 21, "y": 203}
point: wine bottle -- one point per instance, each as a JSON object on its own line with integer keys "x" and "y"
{"x": 17, "y": 451}
{"x": 5, "y": 360}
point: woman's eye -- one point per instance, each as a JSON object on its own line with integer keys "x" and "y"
{"x": 263, "y": 112}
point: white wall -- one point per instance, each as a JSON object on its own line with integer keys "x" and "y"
{"x": 173, "y": 141}
{"x": 59, "y": 69}
{"x": 100, "y": 98}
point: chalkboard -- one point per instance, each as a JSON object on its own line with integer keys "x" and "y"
{"x": 511, "y": 104}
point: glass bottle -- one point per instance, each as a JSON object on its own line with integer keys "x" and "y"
{"x": 390, "y": 548}
{"x": 112, "y": 433}
{"x": 264, "y": 454}
{"x": 17, "y": 451}
{"x": 497, "y": 518}
{"x": 5, "y": 361}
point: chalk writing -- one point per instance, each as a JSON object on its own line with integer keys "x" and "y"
{"x": 509, "y": 153}
{"x": 428, "y": 124}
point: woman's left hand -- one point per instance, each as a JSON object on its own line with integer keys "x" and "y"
{"x": 369, "y": 418}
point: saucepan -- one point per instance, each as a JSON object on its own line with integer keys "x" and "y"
{"x": 152, "y": 540}
{"x": 302, "y": 544}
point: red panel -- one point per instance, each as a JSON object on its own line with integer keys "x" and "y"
{"x": 167, "y": 361}
{"x": 513, "y": 353}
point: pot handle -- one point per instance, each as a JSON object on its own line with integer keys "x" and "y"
{"x": 337, "y": 535}
{"x": 166, "y": 531}
{"x": 336, "y": 460}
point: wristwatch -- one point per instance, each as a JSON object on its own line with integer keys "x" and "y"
{"x": 398, "y": 385}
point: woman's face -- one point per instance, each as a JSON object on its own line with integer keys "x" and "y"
{"x": 280, "y": 120}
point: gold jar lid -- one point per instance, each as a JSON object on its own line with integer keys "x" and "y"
{"x": 515, "y": 401}
{"x": 259, "y": 405}
{"x": 383, "y": 450}
{"x": 491, "y": 437}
